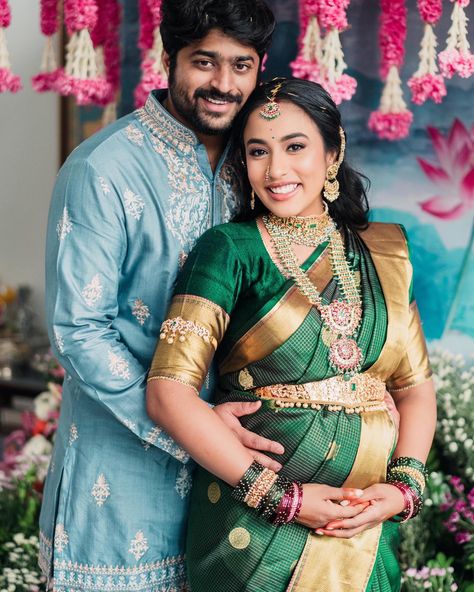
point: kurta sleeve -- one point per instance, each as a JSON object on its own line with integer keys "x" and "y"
{"x": 205, "y": 295}
{"x": 86, "y": 247}
{"x": 414, "y": 367}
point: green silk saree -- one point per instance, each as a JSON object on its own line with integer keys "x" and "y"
{"x": 232, "y": 302}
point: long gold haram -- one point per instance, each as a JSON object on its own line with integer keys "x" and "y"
{"x": 341, "y": 318}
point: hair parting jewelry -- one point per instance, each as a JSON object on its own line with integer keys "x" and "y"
{"x": 271, "y": 109}
{"x": 331, "y": 184}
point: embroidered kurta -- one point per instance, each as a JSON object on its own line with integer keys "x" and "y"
{"x": 127, "y": 207}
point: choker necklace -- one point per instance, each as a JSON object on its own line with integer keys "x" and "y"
{"x": 310, "y": 231}
{"x": 341, "y": 318}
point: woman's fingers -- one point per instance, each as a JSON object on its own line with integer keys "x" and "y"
{"x": 343, "y": 534}
{"x": 362, "y": 518}
{"x": 341, "y": 493}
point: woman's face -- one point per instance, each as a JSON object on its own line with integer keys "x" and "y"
{"x": 286, "y": 161}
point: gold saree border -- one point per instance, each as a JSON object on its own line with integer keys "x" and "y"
{"x": 278, "y": 324}
{"x": 188, "y": 361}
{"x": 345, "y": 565}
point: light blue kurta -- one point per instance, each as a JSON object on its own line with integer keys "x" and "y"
{"x": 127, "y": 207}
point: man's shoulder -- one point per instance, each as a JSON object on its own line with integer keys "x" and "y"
{"x": 107, "y": 143}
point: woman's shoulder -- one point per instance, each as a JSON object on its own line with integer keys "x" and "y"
{"x": 388, "y": 238}
{"x": 233, "y": 231}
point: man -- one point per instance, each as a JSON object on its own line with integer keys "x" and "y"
{"x": 127, "y": 207}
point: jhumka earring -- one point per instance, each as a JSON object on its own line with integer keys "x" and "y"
{"x": 331, "y": 184}
{"x": 252, "y": 200}
{"x": 271, "y": 110}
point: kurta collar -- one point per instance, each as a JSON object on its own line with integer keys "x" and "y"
{"x": 163, "y": 125}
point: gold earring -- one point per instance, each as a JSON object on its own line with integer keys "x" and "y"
{"x": 252, "y": 200}
{"x": 331, "y": 184}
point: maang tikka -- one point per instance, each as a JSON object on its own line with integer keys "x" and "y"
{"x": 271, "y": 110}
{"x": 331, "y": 184}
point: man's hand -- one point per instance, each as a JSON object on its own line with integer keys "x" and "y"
{"x": 229, "y": 413}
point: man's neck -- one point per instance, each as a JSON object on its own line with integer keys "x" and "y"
{"x": 214, "y": 144}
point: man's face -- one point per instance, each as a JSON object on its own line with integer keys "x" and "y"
{"x": 210, "y": 82}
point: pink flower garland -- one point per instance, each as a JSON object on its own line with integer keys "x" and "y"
{"x": 8, "y": 80}
{"x": 47, "y": 78}
{"x": 153, "y": 74}
{"x": 392, "y": 120}
{"x": 80, "y": 76}
{"x": 323, "y": 60}
{"x": 456, "y": 58}
{"x": 427, "y": 83}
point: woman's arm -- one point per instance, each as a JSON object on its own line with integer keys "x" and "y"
{"x": 417, "y": 409}
{"x": 198, "y": 429}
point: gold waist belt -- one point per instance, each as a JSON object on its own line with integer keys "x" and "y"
{"x": 361, "y": 393}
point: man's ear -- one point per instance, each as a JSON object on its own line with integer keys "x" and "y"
{"x": 165, "y": 60}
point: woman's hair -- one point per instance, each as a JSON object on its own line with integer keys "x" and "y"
{"x": 250, "y": 22}
{"x": 350, "y": 210}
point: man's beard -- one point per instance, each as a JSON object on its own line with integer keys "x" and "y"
{"x": 209, "y": 124}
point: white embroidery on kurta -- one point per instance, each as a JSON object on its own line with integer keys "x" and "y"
{"x": 129, "y": 424}
{"x": 101, "y": 490}
{"x": 64, "y": 226}
{"x": 140, "y": 311}
{"x": 183, "y": 482}
{"x": 58, "y": 340}
{"x": 138, "y": 545}
{"x": 157, "y": 437}
{"x": 134, "y": 134}
{"x": 134, "y": 204}
{"x": 104, "y": 186}
{"x": 73, "y": 434}
{"x": 93, "y": 291}
{"x": 228, "y": 188}
{"x": 118, "y": 366}
{"x": 182, "y": 259}
{"x": 61, "y": 538}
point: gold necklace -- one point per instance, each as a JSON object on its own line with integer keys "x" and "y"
{"x": 341, "y": 318}
{"x": 310, "y": 231}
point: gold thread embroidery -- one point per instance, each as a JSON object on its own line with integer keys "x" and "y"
{"x": 180, "y": 328}
{"x": 239, "y": 538}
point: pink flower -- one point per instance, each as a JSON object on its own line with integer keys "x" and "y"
{"x": 44, "y": 81}
{"x": 429, "y": 86}
{"x": 457, "y": 483}
{"x": 462, "y": 537}
{"x": 5, "y": 14}
{"x": 391, "y": 126}
{"x": 332, "y": 13}
{"x": 304, "y": 69}
{"x": 454, "y": 176}
{"x": 453, "y": 61}
{"x": 341, "y": 89}
{"x": 8, "y": 81}
{"x": 430, "y": 10}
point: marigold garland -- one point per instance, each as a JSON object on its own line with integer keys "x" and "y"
{"x": 426, "y": 83}
{"x": 457, "y": 58}
{"x": 392, "y": 120}
{"x": 49, "y": 70}
{"x": 8, "y": 81}
{"x": 322, "y": 59}
{"x": 153, "y": 72}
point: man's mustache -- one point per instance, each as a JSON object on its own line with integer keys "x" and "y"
{"x": 218, "y": 96}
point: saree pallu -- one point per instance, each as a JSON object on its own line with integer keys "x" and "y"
{"x": 233, "y": 297}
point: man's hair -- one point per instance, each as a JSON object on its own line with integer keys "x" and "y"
{"x": 250, "y": 22}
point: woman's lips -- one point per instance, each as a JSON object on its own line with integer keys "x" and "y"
{"x": 283, "y": 192}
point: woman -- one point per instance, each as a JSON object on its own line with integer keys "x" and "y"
{"x": 311, "y": 312}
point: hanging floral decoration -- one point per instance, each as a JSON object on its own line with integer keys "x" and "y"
{"x": 47, "y": 77}
{"x": 322, "y": 59}
{"x": 427, "y": 83}
{"x": 392, "y": 120}
{"x": 80, "y": 76}
{"x": 8, "y": 80}
{"x": 457, "y": 58}
{"x": 106, "y": 40}
{"x": 151, "y": 44}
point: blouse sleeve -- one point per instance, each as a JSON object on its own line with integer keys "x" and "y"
{"x": 414, "y": 367}
{"x": 205, "y": 295}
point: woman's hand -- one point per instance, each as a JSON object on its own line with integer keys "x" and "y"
{"x": 385, "y": 501}
{"x": 322, "y": 504}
